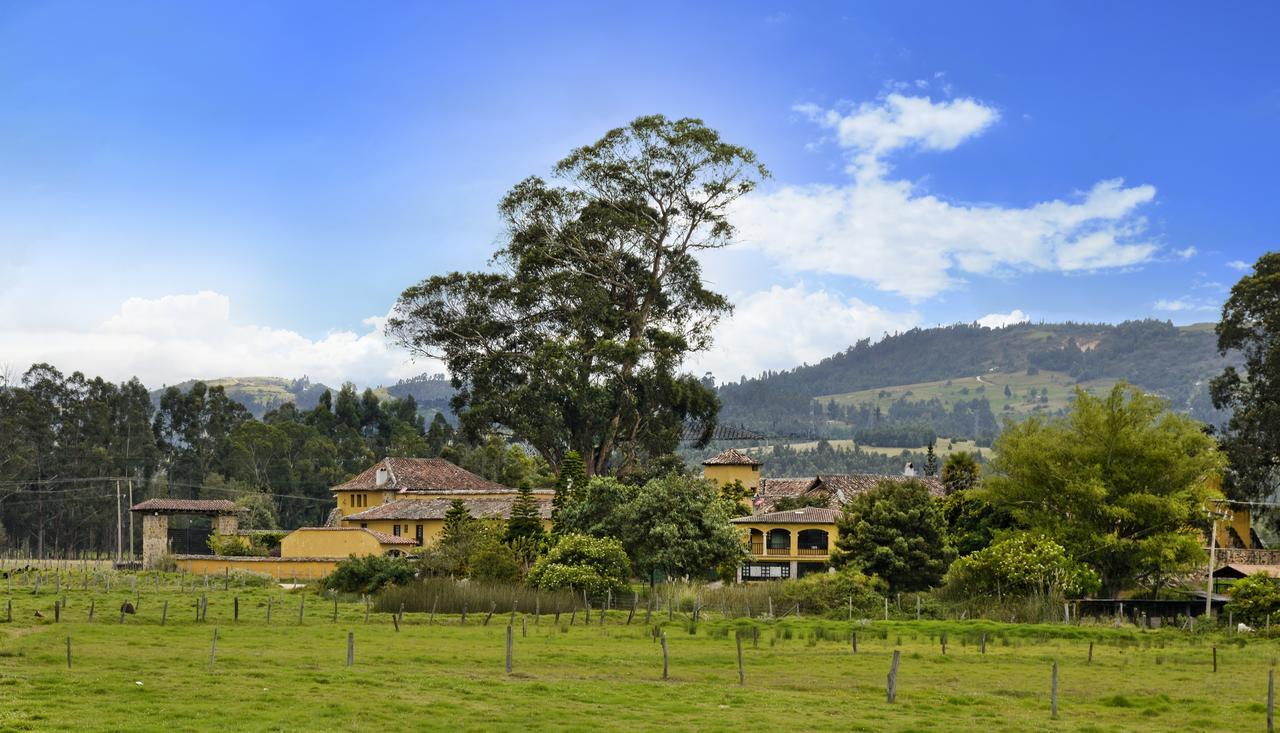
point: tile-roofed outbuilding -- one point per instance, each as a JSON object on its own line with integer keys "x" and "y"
{"x": 731, "y": 457}
{"x": 805, "y": 515}
{"x": 406, "y": 475}
{"x": 420, "y": 509}
{"x": 843, "y": 487}
{"x": 773, "y": 489}
{"x": 187, "y": 506}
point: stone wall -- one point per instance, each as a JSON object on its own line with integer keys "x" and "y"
{"x": 155, "y": 538}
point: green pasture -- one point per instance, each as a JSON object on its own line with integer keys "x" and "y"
{"x": 1060, "y": 386}
{"x": 800, "y": 674}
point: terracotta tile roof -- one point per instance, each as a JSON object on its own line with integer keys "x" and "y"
{"x": 418, "y": 474}
{"x": 807, "y": 515}
{"x": 1248, "y": 569}
{"x": 416, "y": 509}
{"x": 731, "y": 457}
{"x": 773, "y": 489}
{"x": 190, "y": 506}
{"x": 845, "y": 486}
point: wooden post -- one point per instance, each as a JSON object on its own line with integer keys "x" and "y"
{"x": 351, "y": 648}
{"x": 302, "y": 606}
{"x": 395, "y": 619}
{"x": 984, "y": 643}
{"x": 92, "y": 602}
{"x": 648, "y": 610}
{"x": 366, "y": 609}
{"x": 213, "y": 651}
{"x": 917, "y": 607}
{"x": 8, "y": 613}
{"x": 508, "y": 648}
{"x": 492, "y": 607}
{"x": 1053, "y": 694}
{"x": 335, "y": 606}
{"x": 1215, "y": 659}
{"x": 944, "y": 643}
{"x": 268, "y": 610}
{"x": 235, "y": 606}
{"x": 1271, "y": 700}
{"x": 57, "y": 611}
{"x": 1090, "y": 660}
{"x": 464, "y": 615}
{"x": 755, "y": 637}
{"x": 69, "y": 667}
{"x": 853, "y": 639}
{"x": 886, "y": 612}
{"x": 635, "y": 600}
{"x": 524, "y": 627}
{"x": 742, "y": 675}
{"x": 573, "y": 616}
{"x": 664, "y": 655}
{"x": 893, "y": 674}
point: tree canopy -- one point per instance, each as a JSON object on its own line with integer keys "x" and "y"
{"x": 1251, "y": 325}
{"x": 1120, "y": 482}
{"x": 896, "y": 532}
{"x": 576, "y": 341}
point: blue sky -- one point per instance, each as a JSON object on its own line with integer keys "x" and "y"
{"x": 196, "y": 190}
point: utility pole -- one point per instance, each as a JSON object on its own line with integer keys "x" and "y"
{"x": 1214, "y": 516}
{"x": 119, "y": 528}
{"x": 131, "y": 520}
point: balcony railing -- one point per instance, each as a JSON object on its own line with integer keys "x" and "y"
{"x": 755, "y": 548}
{"x": 813, "y": 551}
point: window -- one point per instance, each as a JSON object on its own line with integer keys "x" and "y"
{"x": 418, "y": 536}
{"x": 364, "y": 525}
{"x": 395, "y": 530}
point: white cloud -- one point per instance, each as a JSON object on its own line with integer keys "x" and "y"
{"x": 1183, "y": 304}
{"x": 783, "y": 327}
{"x": 1240, "y": 265}
{"x": 1186, "y": 253}
{"x": 1000, "y": 320}
{"x": 902, "y": 240}
{"x": 177, "y": 337}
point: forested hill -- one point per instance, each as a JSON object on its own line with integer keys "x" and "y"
{"x": 960, "y": 379}
{"x": 261, "y": 395}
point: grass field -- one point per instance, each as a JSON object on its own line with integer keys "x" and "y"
{"x": 802, "y": 676}
{"x": 1060, "y": 388}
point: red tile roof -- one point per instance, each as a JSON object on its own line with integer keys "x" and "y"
{"x": 187, "y": 506}
{"x": 419, "y": 509}
{"x": 806, "y": 515}
{"x": 845, "y": 486}
{"x": 731, "y": 457}
{"x": 382, "y": 537}
{"x": 419, "y": 474}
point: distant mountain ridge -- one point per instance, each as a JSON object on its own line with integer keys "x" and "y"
{"x": 1174, "y": 362}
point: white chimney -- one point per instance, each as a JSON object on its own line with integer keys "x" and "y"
{"x": 381, "y": 476}
{"x": 909, "y": 470}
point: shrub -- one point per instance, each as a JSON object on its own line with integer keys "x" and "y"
{"x": 593, "y": 564}
{"x": 1254, "y": 598}
{"x": 368, "y": 574}
{"x": 829, "y": 593}
{"x": 495, "y": 562}
{"x": 233, "y": 545}
{"x": 1022, "y": 564}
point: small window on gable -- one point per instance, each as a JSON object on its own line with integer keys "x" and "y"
{"x": 395, "y": 530}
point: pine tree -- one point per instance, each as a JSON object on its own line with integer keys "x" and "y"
{"x": 573, "y": 477}
{"x": 525, "y": 523}
{"x": 457, "y": 522}
{"x": 930, "y": 462}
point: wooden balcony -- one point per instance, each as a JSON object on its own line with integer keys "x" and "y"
{"x": 813, "y": 552}
{"x": 759, "y": 550}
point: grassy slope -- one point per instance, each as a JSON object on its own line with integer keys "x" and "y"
{"x": 1061, "y": 389}
{"x": 450, "y": 677}
{"x": 944, "y": 448}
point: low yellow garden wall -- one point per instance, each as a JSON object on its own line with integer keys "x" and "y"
{"x": 302, "y": 569}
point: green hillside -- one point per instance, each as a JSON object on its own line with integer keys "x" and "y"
{"x": 262, "y": 394}
{"x": 951, "y": 381}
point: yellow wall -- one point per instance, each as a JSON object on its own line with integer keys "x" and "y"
{"x": 316, "y": 542}
{"x": 431, "y": 528}
{"x": 1239, "y": 521}
{"x": 347, "y": 500}
{"x": 280, "y": 568}
{"x": 748, "y": 475}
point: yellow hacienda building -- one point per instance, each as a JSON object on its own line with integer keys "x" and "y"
{"x": 792, "y": 543}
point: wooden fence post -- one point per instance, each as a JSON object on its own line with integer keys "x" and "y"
{"x": 893, "y": 674}
{"x": 268, "y": 610}
{"x": 164, "y": 612}
{"x": 524, "y": 627}
{"x": 335, "y": 606}
{"x": 944, "y": 643}
{"x": 57, "y": 611}
{"x": 351, "y": 648}
{"x": 1215, "y": 659}
{"x": 635, "y": 600}
{"x": 302, "y": 606}
{"x": 1053, "y": 703}
{"x": 464, "y": 615}
{"x": 984, "y": 643}
{"x": 1271, "y": 700}
{"x": 69, "y": 662}
{"x": 235, "y": 606}
{"x": 1090, "y": 660}
{"x": 664, "y": 655}
{"x": 886, "y": 610}
{"x": 853, "y": 639}
{"x": 742, "y": 675}
{"x": 395, "y": 620}
{"x": 213, "y": 651}
{"x": 366, "y": 608}
{"x": 508, "y": 648}
{"x": 92, "y": 601}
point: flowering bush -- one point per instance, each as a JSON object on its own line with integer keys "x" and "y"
{"x": 1020, "y": 565}
{"x": 592, "y": 564}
